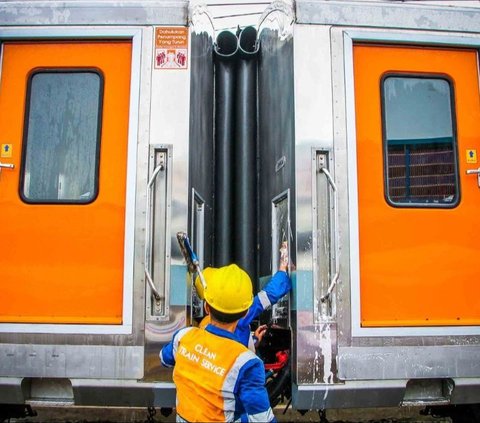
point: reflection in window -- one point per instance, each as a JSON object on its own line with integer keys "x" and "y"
{"x": 62, "y": 136}
{"x": 419, "y": 141}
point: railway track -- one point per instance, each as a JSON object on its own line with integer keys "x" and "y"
{"x": 138, "y": 415}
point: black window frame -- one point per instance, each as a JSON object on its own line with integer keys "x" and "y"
{"x": 31, "y": 75}
{"x": 420, "y": 205}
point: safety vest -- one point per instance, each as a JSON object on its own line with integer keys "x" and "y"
{"x": 242, "y": 331}
{"x": 205, "y": 374}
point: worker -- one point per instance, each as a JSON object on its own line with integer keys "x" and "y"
{"x": 217, "y": 378}
{"x": 279, "y": 285}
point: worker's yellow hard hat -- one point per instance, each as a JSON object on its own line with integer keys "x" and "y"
{"x": 208, "y": 273}
{"x": 229, "y": 289}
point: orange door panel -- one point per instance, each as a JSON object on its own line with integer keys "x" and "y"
{"x": 418, "y": 208}
{"x": 63, "y": 125}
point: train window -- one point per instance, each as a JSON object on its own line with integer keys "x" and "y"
{"x": 61, "y": 142}
{"x": 419, "y": 141}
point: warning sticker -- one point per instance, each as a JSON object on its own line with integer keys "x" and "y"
{"x": 171, "y": 47}
{"x": 471, "y": 156}
{"x": 6, "y": 150}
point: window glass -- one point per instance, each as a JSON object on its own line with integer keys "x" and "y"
{"x": 419, "y": 141}
{"x": 62, "y": 136}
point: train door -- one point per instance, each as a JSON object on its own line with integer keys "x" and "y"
{"x": 63, "y": 134}
{"x": 418, "y": 145}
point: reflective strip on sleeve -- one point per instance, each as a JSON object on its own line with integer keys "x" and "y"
{"x": 263, "y": 297}
{"x": 231, "y": 380}
{"x": 163, "y": 361}
{"x": 251, "y": 343}
{"x": 266, "y": 416}
{"x": 180, "y": 334}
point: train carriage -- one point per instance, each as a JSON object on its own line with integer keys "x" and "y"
{"x": 349, "y": 129}
{"x": 91, "y": 106}
{"x": 386, "y": 100}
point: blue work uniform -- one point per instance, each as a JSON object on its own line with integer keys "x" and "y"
{"x": 279, "y": 285}
{"x": 217, "y": 378}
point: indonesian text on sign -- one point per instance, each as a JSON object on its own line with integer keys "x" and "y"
{"x": 171, "y": 47}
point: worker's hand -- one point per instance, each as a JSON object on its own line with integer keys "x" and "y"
{"x": 284, "y": 259}
{"x": 258, "y": 334}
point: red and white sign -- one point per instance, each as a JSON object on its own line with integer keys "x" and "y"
{"x": 171, "y": 47}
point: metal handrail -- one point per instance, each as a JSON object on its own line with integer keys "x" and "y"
{"x": 148, "y": 237}
{"x": 335, "y": 254}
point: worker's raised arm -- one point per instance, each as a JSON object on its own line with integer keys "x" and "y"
{"x": 279, "y": 285}
{"x": 284, "y": 257}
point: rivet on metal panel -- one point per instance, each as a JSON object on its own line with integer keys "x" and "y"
{"x": 321, "y": 161}
{"x": 161, "y": 160}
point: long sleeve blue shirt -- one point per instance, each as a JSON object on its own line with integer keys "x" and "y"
{"x": 279, "y": 285}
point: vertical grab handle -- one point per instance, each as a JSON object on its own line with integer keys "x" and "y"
{"x": 148, "y": 234}
{"x": 334, "y": 248}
